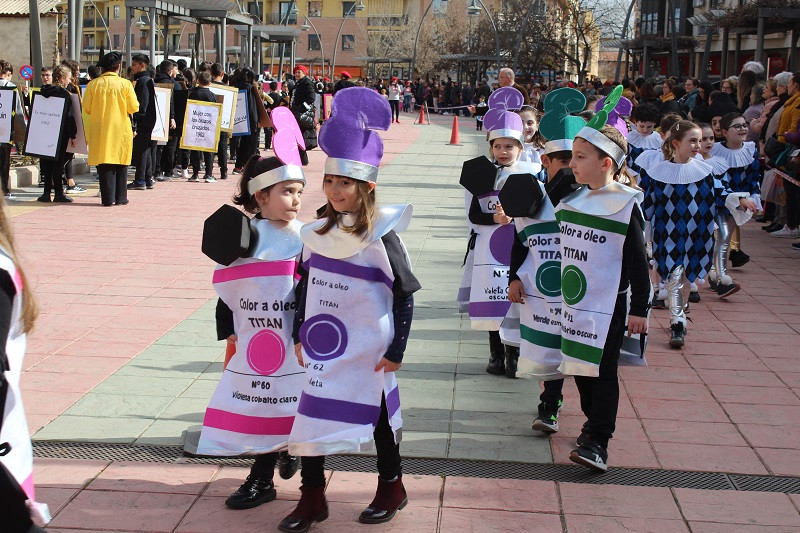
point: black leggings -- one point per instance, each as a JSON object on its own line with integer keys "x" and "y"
{"x": 600, "y": 395}
{"x": 388, "y": 452}
{"x": 264, "y": 466}
{"x": 792, "y": 204}
{"x": 395, "y": 109}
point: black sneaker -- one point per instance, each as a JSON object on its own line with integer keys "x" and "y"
{"x": 288, "y": 465}
{"x": 149, "y": 184}
{"x": 726, "y": 290}
{"x": 583, "y": 438}
{"x": 497, "y": 365}
{"x": 772, "y": 228}
{"x": 253, "y": 492}
{"x": 738, "y": 258}
{"x": 162, "y": 177}
{"x": 678, "y": 338}
{"x": 547, "y": 420}
{"x": 657, "y": 303}
{"x": 694, "y": 297}
{"x": 796, "y": 246}
{"x": 712, "y": 284}
{"x": 134, "y": 186}
{"x": 592, "y": 455}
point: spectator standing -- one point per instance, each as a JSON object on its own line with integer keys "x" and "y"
{"x": 143, "y": 122}
{"x": 728, "y": 86}
{"x": 394, "y": 91}
{"x": 753, "y": 112}
{"x": 692, "y": 98}
{"x": 6, "y": 71}
{"x": 107, "y": 102}
{"x": 506, "y": 79}
{"x": 744, "y": 89}
{"x": 343, "y": 83}
{"x": 165, "y": 155}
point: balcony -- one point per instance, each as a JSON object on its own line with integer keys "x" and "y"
{"x": 278, "y": 19}
{"x": 89, "y": 22}
{"x": 387, "y": 20}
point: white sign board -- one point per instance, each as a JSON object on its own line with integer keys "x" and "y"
{"x": 161, "y": 129}
{"x": 229, "y": 95}
{"x": 6, "y": 108}
{"x": 46, "y": 126}
{"x": 201, "y": 126}
{"x": 80, "y": 138}
{"x": 241, "y": 120}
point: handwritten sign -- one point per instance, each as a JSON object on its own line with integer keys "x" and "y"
{"x": 6, "y": 108}
{"x": 230, "y": 95}
{"x": 201, "y": 126}
{"x": 47, "y": 118}
{"x": 80, "y": 138}
{"x": 241, "y": 119}
{"x": 161, "y": 129}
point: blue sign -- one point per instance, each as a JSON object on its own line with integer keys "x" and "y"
{"x": 26, "y": 71}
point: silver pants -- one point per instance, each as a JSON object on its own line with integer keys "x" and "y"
{"x": 722, "y": 245}
{"x": 674, "y": 288}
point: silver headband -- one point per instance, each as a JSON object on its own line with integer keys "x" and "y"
{"x": 602, "y": 142}
{"x": 352, "y": 169}
{"x": 276, "y": 175}
{"x": 506, "y": 132}
{"x": 558, "y": 145}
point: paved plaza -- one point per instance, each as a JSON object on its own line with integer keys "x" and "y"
{"x": 125, "y": 353}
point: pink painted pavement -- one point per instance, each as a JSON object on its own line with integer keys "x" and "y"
{"x": 110, "y": 281}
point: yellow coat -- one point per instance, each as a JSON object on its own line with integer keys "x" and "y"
{"x": 107, "y": 102}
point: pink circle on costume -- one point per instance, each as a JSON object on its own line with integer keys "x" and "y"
{"x": 266, "y": 352}
{"x": 500, "y": 244}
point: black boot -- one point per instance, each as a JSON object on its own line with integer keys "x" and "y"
{"x": 253, "y": 492}
{"x": 497, "y": 358}
{"x": 512, "y": 356}
{"x": 678, "y": 338}
{"x": 389, "y": 498}
{"x": 288, "y": 465}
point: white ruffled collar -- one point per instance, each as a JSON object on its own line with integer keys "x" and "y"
{"x": 718, "y": 165}
{"x": 273, "y": 241}
{"x": 604, "y": 201}
{"x": 680, "y": 174}
{"x": 339, "y": 244}
{"x": 648, "y": 158}
{"x": 741, "y": 157}
{"x": 648, "y": 142}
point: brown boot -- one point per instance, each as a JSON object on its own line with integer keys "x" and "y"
{"x": 311, "y": 508}
{"x": 389, "y": 498}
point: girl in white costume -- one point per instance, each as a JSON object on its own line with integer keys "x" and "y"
{"x": 17, "y": 316}
{"x": 355, "y": 304}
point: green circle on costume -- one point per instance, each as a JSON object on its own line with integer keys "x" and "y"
{"x": 548, "y": 278}
{"x": 573, "y": 285}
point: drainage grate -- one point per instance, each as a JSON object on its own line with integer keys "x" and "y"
{"x": 640, "y": 477}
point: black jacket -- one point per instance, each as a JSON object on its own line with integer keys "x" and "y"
{"x": 165, "y": 78}
{"x": 144, "y": 120}
{"x": 202, "y": 94}
{"x": 303, "y": 97}
{"x": 342, "y": 84}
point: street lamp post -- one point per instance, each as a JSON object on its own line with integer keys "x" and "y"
{"x": 522, "y": 30}
{"x": 416, "y": 39}
{"x": 473, "y": 9}
{"x": 358, "y": 7}
{"x": 305, "y": 27}
{"x": 624, "y": 35}
{"x": 285, "y": 22}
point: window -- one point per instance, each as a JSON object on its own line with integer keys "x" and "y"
{"x": 313, "y": 41}
{"x": 348, "y": 42}
{"x": 284, "y": 13}
{"x": 315, "y": 9}
{"x": 176, "y": 41}
{"x": 116, "y": 12}
{"x": 349, "y": 9}
{"x": 116, "y": 42}
{"x": 192, "y": 37}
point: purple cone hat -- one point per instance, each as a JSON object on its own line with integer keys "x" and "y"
{"x": 347, "y": 137}
{"x": 505, "y": 124}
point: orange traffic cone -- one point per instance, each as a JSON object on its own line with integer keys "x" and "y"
{"x": 421, "y": 119}
{"x": 454, "y": 138}
{"x": 230, "y": 349}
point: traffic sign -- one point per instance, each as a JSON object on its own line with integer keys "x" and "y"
{"x": 26, "y": 71}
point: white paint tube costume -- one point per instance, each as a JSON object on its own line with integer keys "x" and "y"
{"x": 348, "y": 320}
{"x": 17, "y": 456}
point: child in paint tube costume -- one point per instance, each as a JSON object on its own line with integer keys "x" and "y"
{"x": 494, "y": 233}
{"x": 355, "y": 305}
{"x": 252, "y": 409}
{"x": 535, "y": 269}
{"x": 17, "y": 316}
{"x": 602, "y": 258}
{"x": 681, "y": 202}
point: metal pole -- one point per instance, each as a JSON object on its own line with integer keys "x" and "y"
{"x": 36, "y": 42}
{"x": 165, "y": 35}
{"x": 496, "y": 35}
{"x": 724, "y": 63}
{"x": 292, "y": 56}
{"x": 706, "y": 54}
{"x": 321, "y": 48}
{"x": 339, "y": 34}
{"x": 760, "y": 40}
{"x": 151, "y": 14}
{"x": 416, "y": 40}
{"x": 223, "y": 43}
{"x": 737, "y": 54}
{"x": 105, "y": 24}
{"x": 624, "y": 35}
{"x": 525, "y": 23}
{"x": 78, "y": 30}
{"x": 70, "y": 37}
{"x": 129, "y": 46}
{"x": 673, "y": 39}
{"x": 250, "y": 46}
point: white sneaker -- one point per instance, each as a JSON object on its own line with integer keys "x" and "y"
{"x": 786, "y": 233}
{"x": 185, "y": 173}
{"x": 177, "y": 172}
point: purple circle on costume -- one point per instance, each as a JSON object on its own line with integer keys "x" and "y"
{"x": 324, "y": 337}
{"x": 500, "y": 244}
{"x": 266, "y": 352}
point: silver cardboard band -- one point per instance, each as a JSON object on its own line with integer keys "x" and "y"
{"x": 506, "y": 132}
{"x": 271, "y": 177}
{"x": 352, "y": 169}
{"x": 602, "y": 142}
{"x": 558, "y": 145}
